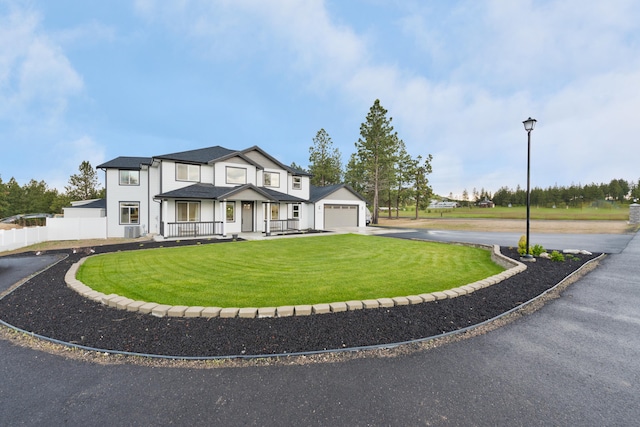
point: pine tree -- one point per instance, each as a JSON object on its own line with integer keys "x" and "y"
{"x": 325, "y": 164}
{"x": 83, "y": 186}
{"x": 423, "y": 190}
{"x": 376, "y": 150}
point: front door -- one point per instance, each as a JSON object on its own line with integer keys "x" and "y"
{"x": 247, "y": 217}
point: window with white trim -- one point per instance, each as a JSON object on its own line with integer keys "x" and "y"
{"x": 296, "y": 211}
{"x": 186, "y": 172}
{"x": 236, "y": 175}
{"x": 271, "y": 179}
{"x": 188, "y": 211}
{"x": 128, "y": 177}
{"x": 297, "y": 183}
{"x": 129, "y": 213}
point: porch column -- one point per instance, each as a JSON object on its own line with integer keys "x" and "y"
{"x": 223, "y": 226}
{"x": 267, "y": 227}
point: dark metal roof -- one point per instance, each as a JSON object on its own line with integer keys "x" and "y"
{"x": 131, "y": 163}
{"x": 282, "y": 197}
{"x": 211, "y": 192}
{"x": 196, "y": 191}
{"x": 298, "y": 172}
{"x": 96, "y": 204}
{"x": 319, "y": 193}
{"x": 202, "y": 155}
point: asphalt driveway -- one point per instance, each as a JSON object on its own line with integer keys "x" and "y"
{"x": 15, "y": 269}
{"x": 574, "y": 362}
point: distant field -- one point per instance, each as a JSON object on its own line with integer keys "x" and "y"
{"x": 609, "y": 213}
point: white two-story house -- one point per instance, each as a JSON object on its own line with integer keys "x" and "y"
{"x": 216, "y": 191}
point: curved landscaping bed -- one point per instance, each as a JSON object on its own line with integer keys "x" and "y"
{"x": 46, "y": 306}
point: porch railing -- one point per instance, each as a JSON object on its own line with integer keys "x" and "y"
{"x": 193, "y": 229}
{"x": 284, "y": 225}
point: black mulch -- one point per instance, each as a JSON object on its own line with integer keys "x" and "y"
{"x": 45, "y": 306}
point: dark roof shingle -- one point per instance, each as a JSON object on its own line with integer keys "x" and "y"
{"x": 123, "y": 162}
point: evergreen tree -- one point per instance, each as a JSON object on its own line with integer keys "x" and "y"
{"x": 4, "y": 202}
{"x": 38, "y": 198}
{"x": 376, "y": 149}
{"x": 15, "y": 198}
{"x": 422, "y": 189}
{"x": 325, "y": 164}
{"x": 83, "y": 186}
{"x": 354, "y": 176}
{"x": 405, "y": 172}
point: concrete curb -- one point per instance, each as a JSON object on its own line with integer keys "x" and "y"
{"x": 162, "y": 310}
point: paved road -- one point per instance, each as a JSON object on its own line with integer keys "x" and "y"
{"x": 608, "y": 243}
{"x": 574, "y": 362}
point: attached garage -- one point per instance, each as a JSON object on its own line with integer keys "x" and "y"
{"x": 337, "y": 206}
{"x": 340, "y": 216}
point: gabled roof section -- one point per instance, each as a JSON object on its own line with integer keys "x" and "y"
{"x": 319, "y": 193}
{"x": 211, "y": 192}
{"x": 298, "y": 172}
{"x": 201, "y": 156}
{"x": 236, "y": 154}
{"x": 130, "y": 163}
{"x": 282, "y": 197}
{"x": 196, "y": 191}
{"x": 276, "y": 161}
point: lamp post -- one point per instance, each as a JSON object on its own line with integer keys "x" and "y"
{"x": 529, "y": 124}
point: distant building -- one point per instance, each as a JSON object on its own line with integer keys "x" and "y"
{"x": 435, "y": 204}
{"x": 486, "y": 204}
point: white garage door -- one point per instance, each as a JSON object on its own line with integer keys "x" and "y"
{"x": 340, "y": 216}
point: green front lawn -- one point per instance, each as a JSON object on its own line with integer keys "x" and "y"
{"x": 309, "y": 270}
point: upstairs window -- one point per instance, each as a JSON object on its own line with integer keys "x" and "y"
{"x": 271, "y": 179}
{"x": 236, "y": 175}
{"x": 129, "y": 177}
{"x": 185, "y": 172}
{"x": 297, "y": 183}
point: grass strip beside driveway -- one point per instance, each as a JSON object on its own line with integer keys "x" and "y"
{"x": 267, "y": 273}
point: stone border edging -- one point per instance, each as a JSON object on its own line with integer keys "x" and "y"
{"x": 512, "y": 266}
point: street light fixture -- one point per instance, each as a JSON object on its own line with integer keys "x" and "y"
{"x": 529, "y": 124}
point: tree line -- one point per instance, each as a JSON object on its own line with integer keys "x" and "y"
{"x": 575, "y": 195}
{"x": 380, "y": 169}
{"x": 37, "y": 197}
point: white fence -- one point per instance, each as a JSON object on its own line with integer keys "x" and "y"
{"x": 56, "y": 229}
{"x": 20, "y": 237}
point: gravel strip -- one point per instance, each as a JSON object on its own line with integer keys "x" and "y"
{"x": 44, "y": 305}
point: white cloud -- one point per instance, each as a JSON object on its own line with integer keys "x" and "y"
{"x": 488, "y": 66}
{"x": 36, "y": 78}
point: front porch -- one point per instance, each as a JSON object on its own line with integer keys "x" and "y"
{"x": 197, "y": 229}
{"x": 282, "y": 226}
{"x": 193, "y": 229}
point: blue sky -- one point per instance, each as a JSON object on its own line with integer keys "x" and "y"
{"x": 93, "y": 80}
